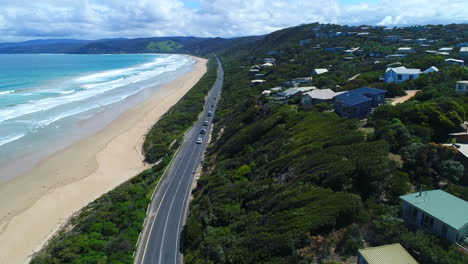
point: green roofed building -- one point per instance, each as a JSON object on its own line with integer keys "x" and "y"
{"x": 438, "y": 212}
{"x": 388, "y": 254}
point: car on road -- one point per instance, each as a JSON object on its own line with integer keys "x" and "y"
{"x": 203, "y": 131}
{"x": 199, "y": 140}
{"x": 210, "y": 113}
{"x": 205, "y": 123}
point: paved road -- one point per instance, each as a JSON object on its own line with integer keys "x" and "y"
{"x": 159, "y": 243}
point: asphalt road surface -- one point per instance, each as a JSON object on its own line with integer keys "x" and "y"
{"x": 159, "y": 241}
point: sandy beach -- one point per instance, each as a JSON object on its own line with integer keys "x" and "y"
{"x": 34, "y": 205}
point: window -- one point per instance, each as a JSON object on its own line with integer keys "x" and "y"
{"x": 414, "y": 213}
{"x": 428, "y": 221}
{"x": 411, "y": 77}
{"x": 399, "y": 76}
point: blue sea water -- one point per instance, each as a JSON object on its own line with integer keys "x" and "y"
{"x": 41, "y": 95}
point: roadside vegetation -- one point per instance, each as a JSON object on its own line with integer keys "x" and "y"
{"x": 107, "y": 230}
{"x": 284, "y": 184}
{"x": 165, "y": 136}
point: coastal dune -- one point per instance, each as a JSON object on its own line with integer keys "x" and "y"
{"x": 33, "y": 206}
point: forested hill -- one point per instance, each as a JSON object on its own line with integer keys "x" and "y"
{"x": 190, "y": 45}
{"x": 287, "y": 184}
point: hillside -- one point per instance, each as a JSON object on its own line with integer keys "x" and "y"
{"x": 191, "y": 45}
{"x": 288, "y": 184}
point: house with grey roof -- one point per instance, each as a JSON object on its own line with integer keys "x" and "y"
{"x": 318, "y": 96}
{"x": 437, "y": 212}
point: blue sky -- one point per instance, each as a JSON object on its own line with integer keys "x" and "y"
{"x": 94, "y": 19}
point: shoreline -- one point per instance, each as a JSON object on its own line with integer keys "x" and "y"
{"x": 68, "y": 180}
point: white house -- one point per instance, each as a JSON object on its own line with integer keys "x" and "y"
{"x": 319, "y": 71}
{"x": 401, "y": 74}
{"x": 405, "y": 49}
{"x": 462, "y": 86}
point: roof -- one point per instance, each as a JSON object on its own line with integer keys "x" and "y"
{"x": 320, "y": 71}
{"x": 454, "y": 60}
{"x": 289, "y": 92}
{"x": 368, "y": 90}
{"x": 388, "y": 254}
{"x": 446, "y": 49}
{"x": 322, "y": 94}
{"x": 352, "y": 98}
{"x": 404, "y": 70}
{"x": 405, "y": 49}
{"x": 449, "y": 209}
{"x": 305, "y": 89}
{"x": 258, "y": 81}
{"x": 464, "y": 49}
{"x": 462, "y": 81}
{"x": 461, "y": 148}
{"x": 431, "y": 69}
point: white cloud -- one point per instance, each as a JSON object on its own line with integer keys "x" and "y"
{"x": 21, "y": 19}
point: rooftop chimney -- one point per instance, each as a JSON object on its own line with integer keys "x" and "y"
{"x": 420, "y": 190}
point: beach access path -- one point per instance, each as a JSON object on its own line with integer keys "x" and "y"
{"x": 160, "y": 238}
{"x": 35, "y": 205}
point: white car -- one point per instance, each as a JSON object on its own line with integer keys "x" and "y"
{"x": 199, "y": 140}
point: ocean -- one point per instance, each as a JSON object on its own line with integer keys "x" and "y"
{"x": 46, "y": 98}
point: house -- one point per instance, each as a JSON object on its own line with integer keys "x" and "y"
{"x": 392, "y": 38}
{"x": 358, "y": 103}
{"x": 266, "y": 65}
{"x": 437, "y": 212}
{"x": 362, "y": 34}
{"x": 298, "y": 81}
{"x": 351, "y": 50}
{"x": 319, "y": 71}
{"x": 462, "y": 86}
{"x": 289, "y": 93}
{"x": 269, "y": 60}
{"x": 464, "y": 52}
{"x": 318, "y": 96}
{"x": 431, "y": 69}
{"x": 352, "y": 105}
{"x": 445, "y": 49}
{"x": 405, "y": 49}
{"x": 388, "y": 254}
{"x": 460, "y": 63}
{"x": 260, "y": 75}
{"x": 377, "y": 95}
{"x": 306, "y": 89}
{"x": 401, "y": 74}
{"x": 257, "y": 82}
